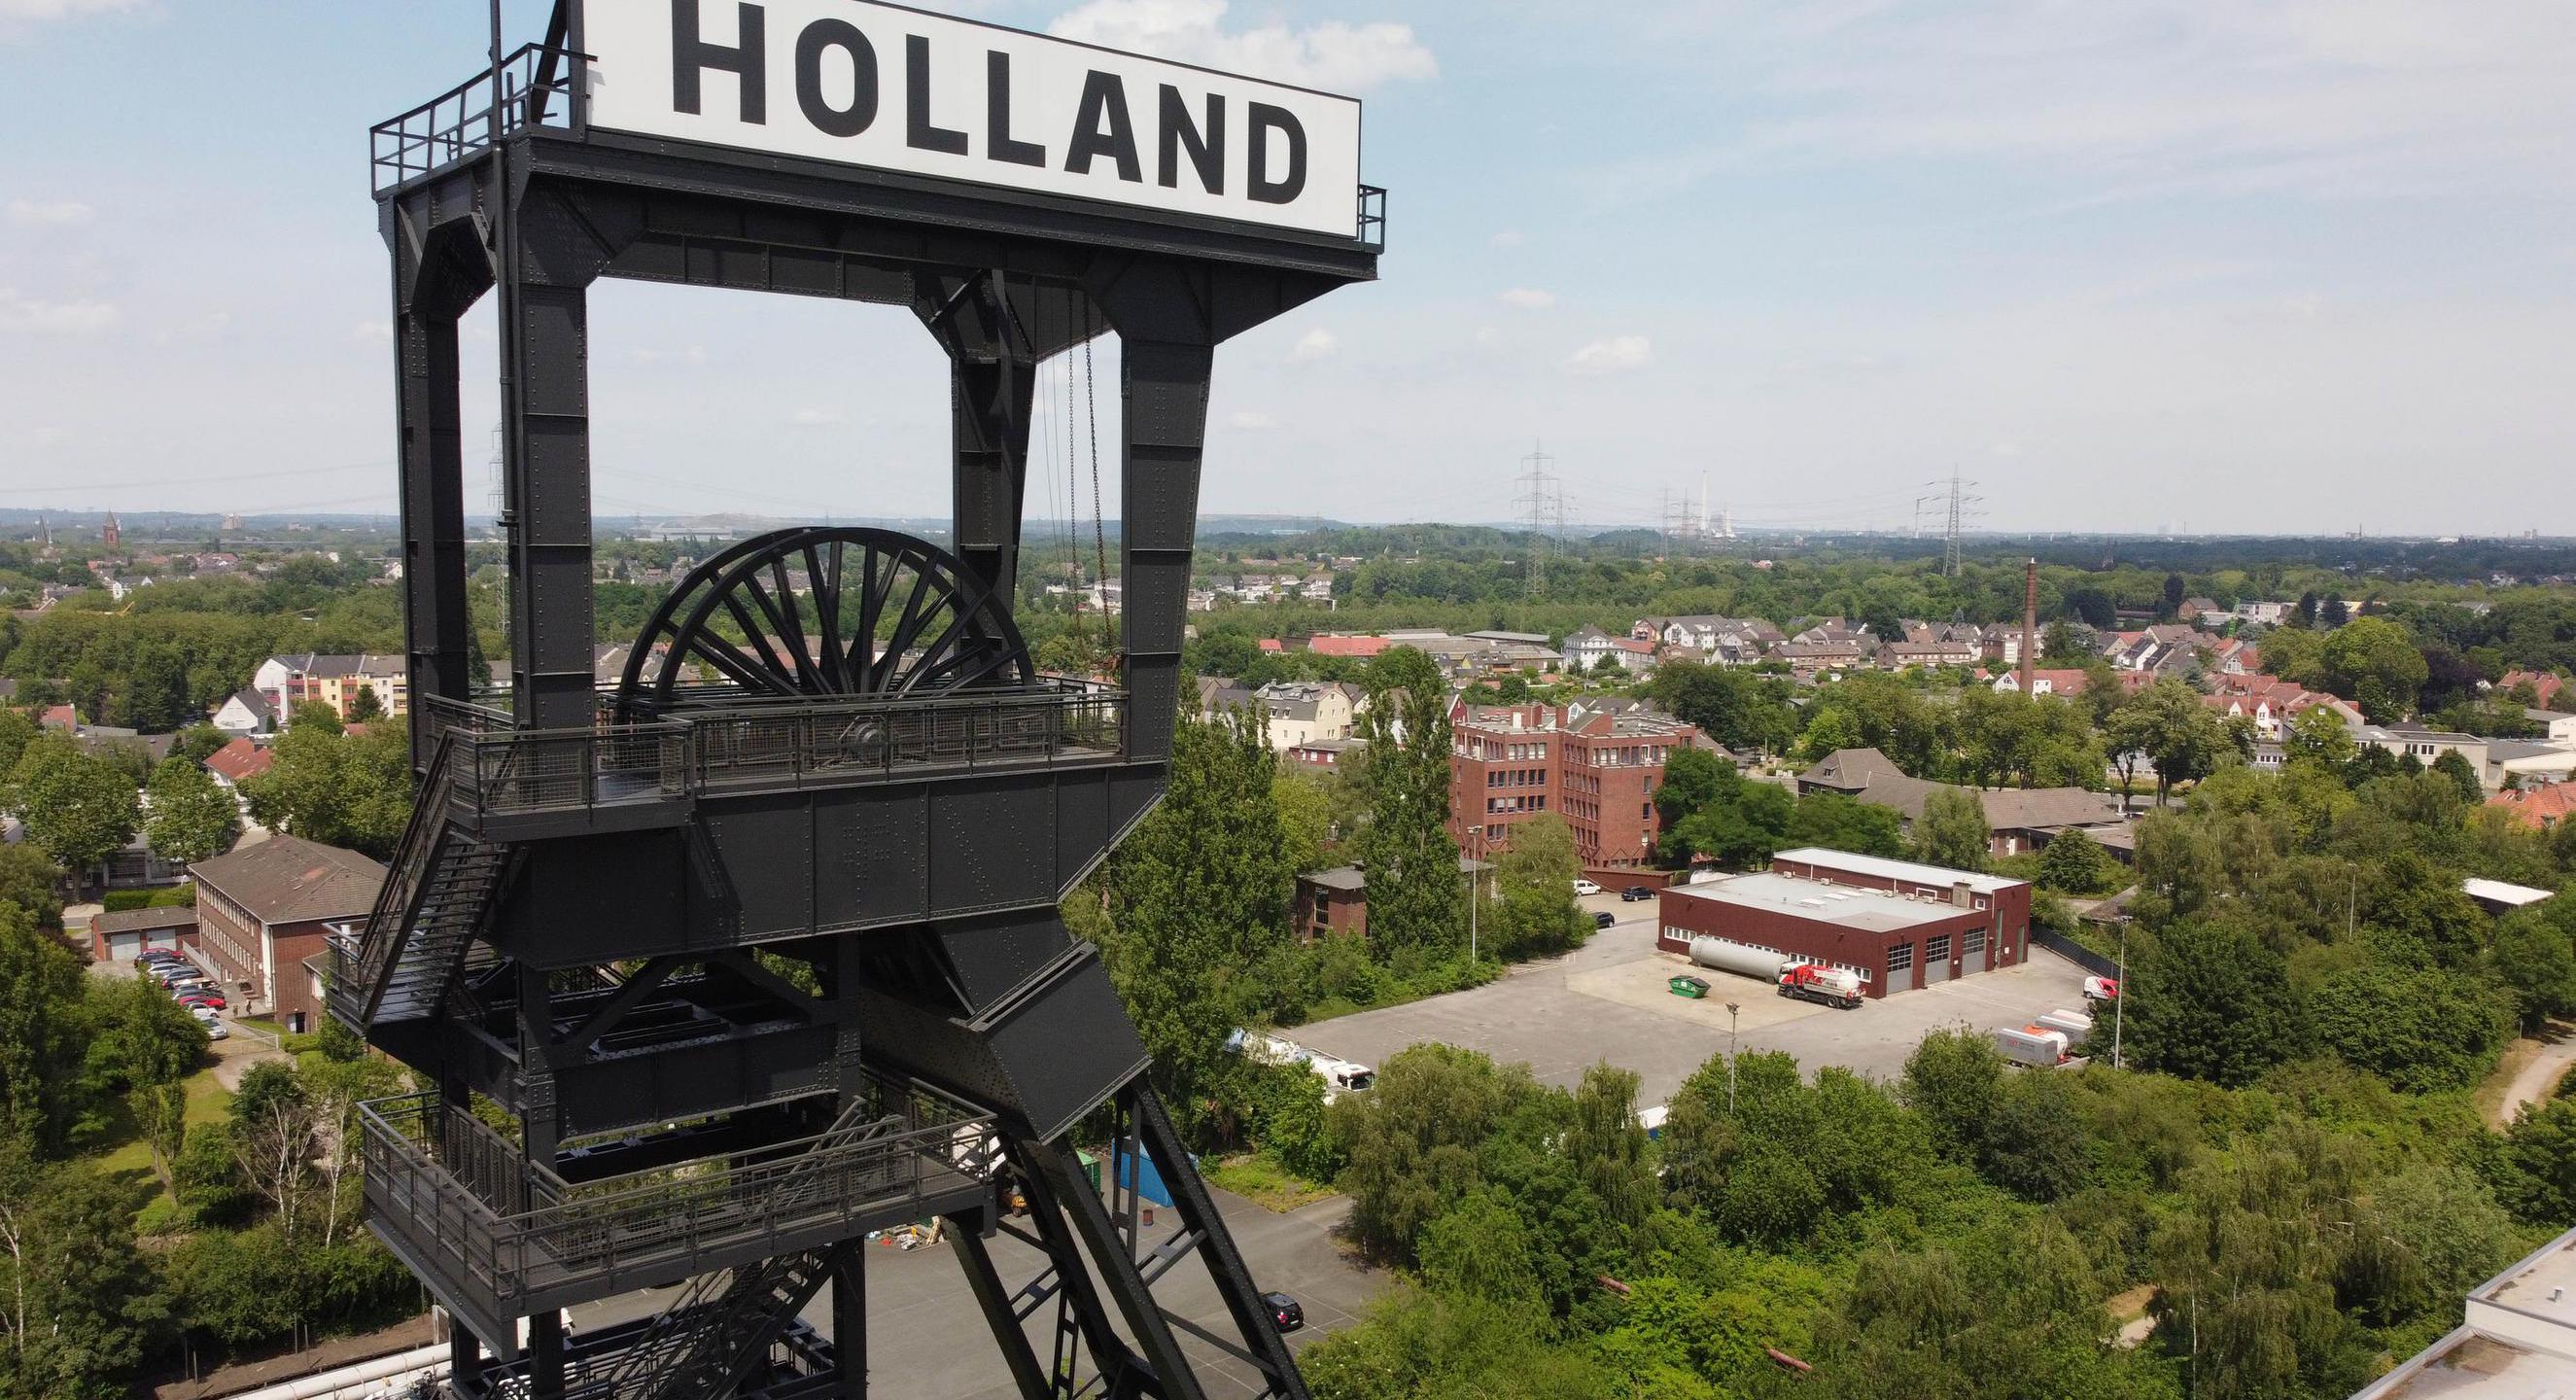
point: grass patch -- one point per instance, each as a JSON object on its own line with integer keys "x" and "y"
{"x": 1258, "y": 1178}
{"x": 208, "y": 1102}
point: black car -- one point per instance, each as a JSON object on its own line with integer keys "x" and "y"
{"x": 1604, "y": 919}
{"x": 1636, "y": 892}
{"x": 1284, "y": 1311}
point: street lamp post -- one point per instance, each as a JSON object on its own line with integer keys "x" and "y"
{"x": 2120, "y": 1003}
{"x": 1731, "y": 1009}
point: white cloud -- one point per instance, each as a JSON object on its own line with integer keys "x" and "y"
{"x": 1613, "y": 356}
{"x": 1509, "y": 238}
{"x": 372, "y": 333}
{"x": 693, "y": 355}
{"x": 1333, "y": 55}
{"x": 1528, "y": 298}
{"x": 28, "y": 213}
{"x": 40, "y": 438}
{"x": 18, "y": 313}
{"x": 61, "y": 9}
{"x": 816, "y": 417}
{"x": 1251, "y": 421}
{"x": 1317, "y": 344}
{"x": 1489, "y": 335}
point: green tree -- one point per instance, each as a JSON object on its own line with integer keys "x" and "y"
{"x": 1413, "y": 1141}
{"x": 2074, "y": 863}
{"x": 1952, "y": 831}
{"x": 1305, "y": 801}
{"x": 188, "y": 816}
{"x": 364, "y": 705}
{"x": 1416, "y": 901}
{"x": 2463, "y": 775}
{"x": 83, "y": 1308}
{"x": 1480, "y": 1248}
{"x": 41, "y": 1032}
{"x": 2319, "y": 735}
{"x": 2421, "y": 1029}
{"x": 1840, "y": 823}
{"x": 2538, "y": 1164}
{"x": 2533, "y": 955}
{"x": 79, "y": 810}
{"x": 339, "y": 789}
{"x": 2209, "y": 1001}
{"x": 1738, "y": 830}
{"x": 32, "y": 882}
{"x": 1953, "y": 1079}
{"x": 1197, "y": 897}
{"x": 2035, "y": 1145}
{"x": 1741, "y": 709}
{"x": 1534, "y": 877}
{"x": 2173, "y": 730}
{"x": 2374, "y": 663}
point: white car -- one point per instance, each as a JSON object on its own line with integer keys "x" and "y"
{"x": 215, "y": 1030}
{"x": 1582, "y": 887}
{"x": 206, "y": 1014}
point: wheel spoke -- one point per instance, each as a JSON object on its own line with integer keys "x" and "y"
{"x": 826, "y": 588}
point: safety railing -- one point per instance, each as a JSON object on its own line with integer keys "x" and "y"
{"x": 690, "y": 750}
{"x": 1372, "y": 230}
{"x": 463, "y": 1198}
{"x": 362, "y": 955}
{"x": 537, "y": 86}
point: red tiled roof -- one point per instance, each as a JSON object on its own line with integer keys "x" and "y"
{"x": 2539, "y": 807}
{"x": 1272, "y": 644}
{"x": 238, "y": 760}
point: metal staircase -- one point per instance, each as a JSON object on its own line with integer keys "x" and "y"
{"x": 703, "y": 1345}
{"x": 437, "y": 896}
{"x": 720, "y": 1329}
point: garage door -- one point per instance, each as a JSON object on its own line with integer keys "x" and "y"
{"x": 1936, "y": 959}
{"x": 1976, "y": 954}
{"x": 1900, "y": 968}
{"x": 123, "y": 947}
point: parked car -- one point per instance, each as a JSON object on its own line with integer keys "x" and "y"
{"x": 215, "y": 1030}
{"x": 207, "y": 997}
{"x": 1582, "y": 887}
{"x": 1636, "y": 892}
{"x": 1284, "y": 1311}
{"x": 206, "y": 1015}
{"x": 152, "y": 957}
{"x": 1604, "y": 919}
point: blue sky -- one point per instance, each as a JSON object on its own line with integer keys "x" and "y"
{"x": 2126, "y": 263}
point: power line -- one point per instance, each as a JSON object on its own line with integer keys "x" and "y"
{"x": 1546, "y": 507}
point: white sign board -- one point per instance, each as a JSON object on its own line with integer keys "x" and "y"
{"x": 896, "y": 89}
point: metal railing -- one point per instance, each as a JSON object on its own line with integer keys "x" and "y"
{"x": 362, "y": 955}
{"x": 539, "y": 87}
{"x": 465, "y": 1198}
{"x": 713, "y": 748}
{"x": 1372, "y": 230}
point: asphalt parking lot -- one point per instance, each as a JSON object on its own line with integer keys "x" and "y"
{"x": 927, "y": 1338}
{"x": 1607, "y": 1001}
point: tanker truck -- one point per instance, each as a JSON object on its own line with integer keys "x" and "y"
{"x": 1831, "y": 985}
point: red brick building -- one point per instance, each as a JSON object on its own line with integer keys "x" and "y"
{"x": 1335, "y": 901}
{"x": 1898, "y": 924}
{"x": 264, "y": 911}
{"x": 1596, "y": 765}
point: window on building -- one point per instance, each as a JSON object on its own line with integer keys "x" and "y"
{"x": 1937, "y": 949}
{"x": 1900, "y": 957}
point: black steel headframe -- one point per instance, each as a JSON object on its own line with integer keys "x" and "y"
{"x": 809, "y": 942}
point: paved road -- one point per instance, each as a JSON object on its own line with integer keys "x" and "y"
{"x": 1607, "y": 1001}
{"x": 2538, "y": 1078}
{"x": 927, "y": 1338}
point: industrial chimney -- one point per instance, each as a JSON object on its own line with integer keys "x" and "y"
{"x": 2029, "y": 623}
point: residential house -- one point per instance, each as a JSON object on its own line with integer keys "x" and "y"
{"x": 1586, "y": 647}
{"x": 2205, "y": 612}
{"x": 263, "y": 922}
{"x": 238, "y": 762}
{"x": 2017, "y": 819}
{"x": 2545, "y": 686}
{"x": 1318, "y": 588}
{"x": 245, "y": 712}
{"x": 1896, "y": 656}
{"x": 333, "y": 680}
{"x": 2271, "y": 703}
{"x": 2063, "y": 682}
{"x": 2528, "y": 761}
{"x": 1326, "y": 754}
{"x": 2265, "y": 614}
{"x": 2541, "y": 807}
{"x": 1360, "y": 648}
{"x": 1301, "y": 712}
{"x": 122, "y": 935}
{"x": 2553, "y": 725}
{"x": 1810, "y": 658}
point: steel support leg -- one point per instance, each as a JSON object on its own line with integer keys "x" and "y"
{"x": 545, "y": 436}
{"x": 850, "y": 1324}
{"x": 985, "y": 1282}
{"x": 430, "y": 451}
